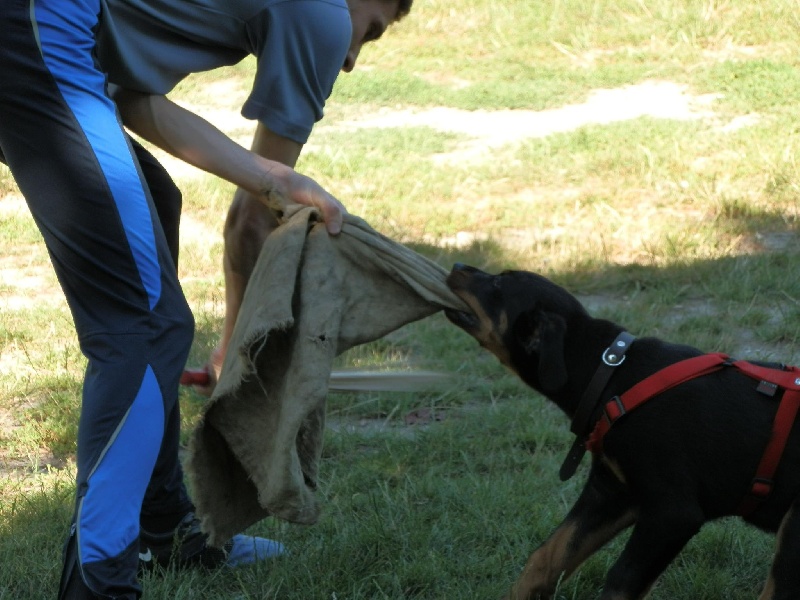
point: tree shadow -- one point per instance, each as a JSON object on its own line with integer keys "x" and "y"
{"x": 34, "y": 523}
{"x": 746, "y": 303}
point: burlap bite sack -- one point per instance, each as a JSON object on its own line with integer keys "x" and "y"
{"x": 312, "y": 296}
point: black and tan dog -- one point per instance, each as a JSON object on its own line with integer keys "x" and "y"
{"x": 678, "y": 437}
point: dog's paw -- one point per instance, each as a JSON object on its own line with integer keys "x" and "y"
{"x": 532, "y": 594}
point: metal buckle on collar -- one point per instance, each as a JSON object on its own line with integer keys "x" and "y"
{"x": 614, "y": 355}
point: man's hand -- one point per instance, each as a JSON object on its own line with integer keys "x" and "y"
{"x": 304, "y": 190}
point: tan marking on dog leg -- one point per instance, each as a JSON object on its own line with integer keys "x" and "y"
{"x": 545, "y": 566}
{"x": 614, "y": 467}
{"x": 559, "y": 556}
{"x": 769, "y": 587}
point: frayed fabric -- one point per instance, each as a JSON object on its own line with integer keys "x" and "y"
{"x": 257, "y": 449}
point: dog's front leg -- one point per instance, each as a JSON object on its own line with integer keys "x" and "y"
{"x": 660, "y": 534}
{"x": 784, "y": 578}
{"x": 603, "y": 509}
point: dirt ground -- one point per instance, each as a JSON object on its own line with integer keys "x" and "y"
{"x": 489, "y": 129}
{"x": 492, "y": 129}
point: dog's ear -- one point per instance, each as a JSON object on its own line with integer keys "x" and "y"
{"x": 542, "y": 333}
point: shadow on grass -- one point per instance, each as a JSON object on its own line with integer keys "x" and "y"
{"x": 412, "y": 486}
{"x": 747, "y": 302}
{"x": 748, "y": 299}
{"x": 747, "y": 305}
{"x": 34, "y": 524}
{"x": 738, "y": 302}
{"x": 763, "y": 238}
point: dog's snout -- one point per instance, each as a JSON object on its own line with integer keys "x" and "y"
{"x": 461, "y": 267}
{"x": 461, "y": 276}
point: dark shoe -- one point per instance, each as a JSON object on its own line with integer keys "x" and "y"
{"x": 187, "y": 546}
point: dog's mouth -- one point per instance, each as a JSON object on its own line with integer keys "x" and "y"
{"x": 458, "y": 281}
{"x": 463, "y": 319}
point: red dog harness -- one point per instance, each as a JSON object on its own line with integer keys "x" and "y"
{"x": 771, "y": 380}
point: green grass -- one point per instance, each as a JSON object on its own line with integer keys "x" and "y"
{"x": 684, "y": 229}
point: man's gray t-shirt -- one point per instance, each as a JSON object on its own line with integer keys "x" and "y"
{"x": 299, "y": 45}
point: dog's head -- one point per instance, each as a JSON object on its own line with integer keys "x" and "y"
{"x": 521, "y": 318}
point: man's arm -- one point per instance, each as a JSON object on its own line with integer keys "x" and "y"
{"x": 271, "y": 146}
{"x": 196, "y": 141}
{"x": 275, "y": 147}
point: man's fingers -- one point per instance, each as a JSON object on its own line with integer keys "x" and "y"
{"x": 305, "y": 190}
{"x": 333, "y": 213}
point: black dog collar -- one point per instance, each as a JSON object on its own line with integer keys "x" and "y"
{"x": 613, "y": 357}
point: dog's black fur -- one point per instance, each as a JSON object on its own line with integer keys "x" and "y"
{"x": 680, "y": 460}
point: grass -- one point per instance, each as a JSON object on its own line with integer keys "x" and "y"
{"x": 685, "y": 229}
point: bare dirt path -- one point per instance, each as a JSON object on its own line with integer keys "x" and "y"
{"x": 490, "y": 129}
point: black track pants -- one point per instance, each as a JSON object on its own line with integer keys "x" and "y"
{"x": 63, "y": 142}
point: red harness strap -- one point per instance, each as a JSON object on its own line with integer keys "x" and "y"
{"x": 789, "y": 380}
{"x": 646, "y": 389}
{"x": 771, "y": 380}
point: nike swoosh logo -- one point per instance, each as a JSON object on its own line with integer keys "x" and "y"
{"x": 146, "y": 557}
